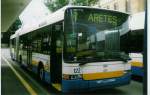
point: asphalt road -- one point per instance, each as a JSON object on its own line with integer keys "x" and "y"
{"x": 19, "y": 81}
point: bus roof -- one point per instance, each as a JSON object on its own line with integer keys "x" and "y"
{"x": 14, "y": 35}
{"x": 55, "y": 17}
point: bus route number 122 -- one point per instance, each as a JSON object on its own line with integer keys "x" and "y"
{"x": 76, "y": 70}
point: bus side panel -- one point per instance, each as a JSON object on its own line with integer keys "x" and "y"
{"x": 12, "y": 49}
{"x": 137, "y": 68}
{"x": 45, "y": 60}
{"x": 138, "y": 71}
{"x": 24, "y": 58}
{"x": 17, "y": 49}
{"x": 137, "y": 64}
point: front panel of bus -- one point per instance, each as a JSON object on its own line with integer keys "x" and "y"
{"x": 92, "y": 58}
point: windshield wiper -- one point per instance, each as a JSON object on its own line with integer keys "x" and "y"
{"x": 84, "y": 60}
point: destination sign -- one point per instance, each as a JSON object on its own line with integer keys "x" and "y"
{"x": 100, "y": 18}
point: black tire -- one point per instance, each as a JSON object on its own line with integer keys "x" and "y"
{"x": 41, "y": 73}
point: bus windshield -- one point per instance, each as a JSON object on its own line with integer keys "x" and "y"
{"x": 93, "y": 35}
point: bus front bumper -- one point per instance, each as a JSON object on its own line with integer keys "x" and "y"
{"x": 88, "y": 85}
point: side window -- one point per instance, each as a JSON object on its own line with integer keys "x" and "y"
{"x": 58, "y": 29}
{"x": 39, "y": 44}
{"x": 34, "y": 45}
{"x": 13, "y": 43}
{"x": 41, "y": 41}
{"x": 45, "y": 45}
{"x": 36, "y": 41}
{"x": 22, "y": 42}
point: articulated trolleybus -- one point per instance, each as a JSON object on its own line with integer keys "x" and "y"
{"x": 76, "y": 49}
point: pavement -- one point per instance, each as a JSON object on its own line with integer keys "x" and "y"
{"x": 18, "y": 81}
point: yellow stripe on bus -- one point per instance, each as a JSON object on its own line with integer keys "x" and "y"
{"x": 103, "y": 75}
{"x": 137, "y": 64}
{"x": 24, "y": 82}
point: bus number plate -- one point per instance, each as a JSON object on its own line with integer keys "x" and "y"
{"x": 76, "y": 70}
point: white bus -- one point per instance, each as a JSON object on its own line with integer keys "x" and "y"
{"x": 133, "y": 43}
{"x": 76, "y": 48}
{"x": 137, "y": 38}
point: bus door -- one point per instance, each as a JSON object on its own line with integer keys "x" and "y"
{"x": 29, "y": 53}
{"x": 56, "y": 55}
{"x": 17, "y": 48}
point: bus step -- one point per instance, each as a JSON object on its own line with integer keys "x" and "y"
{"x": 57, "y": 86}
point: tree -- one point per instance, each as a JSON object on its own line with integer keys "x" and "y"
{"x": 85, "y": 2}
{"x": 57, "y": 4}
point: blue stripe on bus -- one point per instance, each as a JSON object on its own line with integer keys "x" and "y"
{"x": 81, "y": 85}
{"x": 137, "y": 71}
{"x": 34, "y": 69}
{"x": 47, "y": 77}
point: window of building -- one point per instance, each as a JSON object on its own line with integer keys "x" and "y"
{"x": 108, "y": 7}
{"x": 116, "y": 6}
{"x": 128, "y": 6}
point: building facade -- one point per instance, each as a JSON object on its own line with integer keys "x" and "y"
{"x": 129, "y": 6}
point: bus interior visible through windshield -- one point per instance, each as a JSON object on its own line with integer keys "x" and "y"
{"x": 90, "y": 40}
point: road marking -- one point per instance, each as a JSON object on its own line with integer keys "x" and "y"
{"x": 26, "y": 85}
{"x": 29, "y": 77}
{"x": 57, "y": 86}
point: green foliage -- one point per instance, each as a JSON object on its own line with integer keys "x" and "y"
{"x": 85, "y": 2}
{"x": 15, "y": 26}
{"x": 57, "y": 4}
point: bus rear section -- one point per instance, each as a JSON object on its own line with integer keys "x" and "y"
{"x": 92, "y": 58}
{"x": 136, "y": 38}
{"x": 132, "y": 42}
{"x": 137, "y": 64}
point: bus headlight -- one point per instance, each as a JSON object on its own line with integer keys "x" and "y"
{"x": 72, "y": 77}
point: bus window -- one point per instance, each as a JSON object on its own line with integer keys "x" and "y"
{"x": 24, "y": 41}
{"x": 34, "y": 46}
{"x": 58, "y": 30}
{"x": 36, "y": 41}
{"x": 45, "y": 45}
